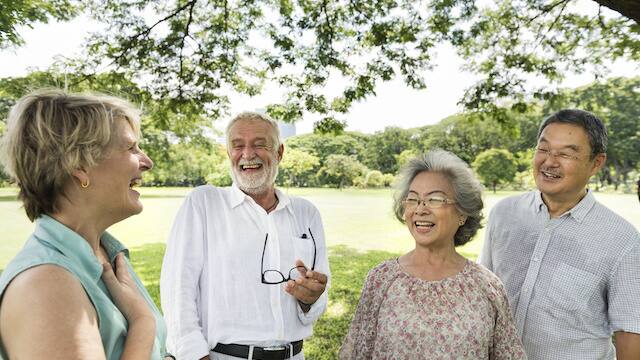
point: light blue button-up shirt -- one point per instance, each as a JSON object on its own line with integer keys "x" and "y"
{"x": 571, "y": 281}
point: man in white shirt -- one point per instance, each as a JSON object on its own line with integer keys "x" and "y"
{"x": 245, "y": 271}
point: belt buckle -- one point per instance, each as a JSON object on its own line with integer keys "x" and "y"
{"x": 274, "y": 348}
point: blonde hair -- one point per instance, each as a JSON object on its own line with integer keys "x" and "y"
{"x": 51, "y": 133}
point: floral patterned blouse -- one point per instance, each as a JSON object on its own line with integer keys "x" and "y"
{"x": 465, "y": 316}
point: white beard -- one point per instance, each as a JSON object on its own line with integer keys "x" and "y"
{"x": 257, "y": 183}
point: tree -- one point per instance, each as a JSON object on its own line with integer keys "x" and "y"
{"x": 297, "y": 167}
{"x": 466, "y": 136}
{"x": 384, "y": 147}
{"x": 495, "y": 166}
{"x": 172, "y": 133}
{"x": 200, "y": 50}
{"x": 19, "y": 13}
{"x": 322, "y": 146}
{"x": 340, "y": 171}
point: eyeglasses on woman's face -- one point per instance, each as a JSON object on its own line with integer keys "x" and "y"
{"x": 412, "y": 202}
{"x": 272, "y": 277}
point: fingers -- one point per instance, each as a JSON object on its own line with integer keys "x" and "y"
{"x": 108, "y": 276}
{"x": 122, "y": 273}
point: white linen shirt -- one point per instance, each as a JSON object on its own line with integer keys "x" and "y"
{"x": 571, "y": 281}
{"x": 210, "y": 283}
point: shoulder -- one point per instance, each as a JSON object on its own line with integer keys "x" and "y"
{"x": 43, "y": 292}
{"x": 515, "y": 201}
{"x": 486, "y": 279}
{"x": 206, "y": 191}
{"x": 605, "y": 220}
{"x": 386, "y": 270}
{"x": 302, "y": 205}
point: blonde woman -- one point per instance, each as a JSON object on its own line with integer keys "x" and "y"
{"x": 71, "y": 292}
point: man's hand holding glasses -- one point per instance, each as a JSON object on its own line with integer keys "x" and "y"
{"x": 307, "y": 287}
{"x": 305, "y": 284}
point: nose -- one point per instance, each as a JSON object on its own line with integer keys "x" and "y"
{"x": 421, "y": 207}
{"x": 248, "y": 152}
{"x": 145, "y": 161}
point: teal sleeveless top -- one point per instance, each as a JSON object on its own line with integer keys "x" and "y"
{"x": 54, "y": 243}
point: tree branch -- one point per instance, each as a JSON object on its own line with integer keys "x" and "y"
{"x": 184, "y": 36}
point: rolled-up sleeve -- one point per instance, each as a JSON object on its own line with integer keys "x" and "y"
{"x": 179, "y": 283}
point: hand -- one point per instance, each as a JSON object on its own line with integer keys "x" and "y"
{"x": 309, "y": 286}
{"x": 124, "y": 292}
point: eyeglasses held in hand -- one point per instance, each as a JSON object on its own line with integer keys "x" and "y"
{"x": 273, "y": 277}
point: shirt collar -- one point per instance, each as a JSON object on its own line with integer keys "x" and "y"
{"x": 238, "y": 197}
{"x": 76, "y": 248}
{"x": 578, "y": 212}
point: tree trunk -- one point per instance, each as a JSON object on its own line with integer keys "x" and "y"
{"x": 627, "y": 8}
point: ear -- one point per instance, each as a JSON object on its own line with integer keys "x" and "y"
{"x": 462, "y": 219}
{"x": 598, "y": 163}
{"x": 280, "y": 152}
{"x": 80, "y": 175}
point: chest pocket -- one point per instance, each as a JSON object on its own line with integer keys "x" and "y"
{"x": 571, "y": 288}
{"x": 304, "y": 249}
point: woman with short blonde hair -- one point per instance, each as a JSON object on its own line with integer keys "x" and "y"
{"x": 71, "y": 291}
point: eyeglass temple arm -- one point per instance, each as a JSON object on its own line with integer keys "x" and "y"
{"x": 313, "y": 266}
{"x": 262, "y": 260}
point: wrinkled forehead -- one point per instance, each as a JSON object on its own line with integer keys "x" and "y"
{"x": 564, "y": 136}
{"x": 250, "y": 130}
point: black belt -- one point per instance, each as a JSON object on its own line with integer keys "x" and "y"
{"x": 267, "y": 353}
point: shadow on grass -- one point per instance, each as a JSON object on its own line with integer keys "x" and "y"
{"x": 349, "y": 268}
{"x": 4, "y": 198}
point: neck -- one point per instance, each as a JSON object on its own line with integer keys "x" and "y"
{"x": 267, "y": 200}
{"x": 560, "y": 205}
{"x": 86, "y": 221}
{"x": 436, "y": 257}
{"x": 83, "y": 226}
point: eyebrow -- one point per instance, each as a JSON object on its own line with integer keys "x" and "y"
{"x": 570, "y": 146}
{"x": 429, "y": 193}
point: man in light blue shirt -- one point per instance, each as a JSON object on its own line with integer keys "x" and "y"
{"x": 570, "y": 265}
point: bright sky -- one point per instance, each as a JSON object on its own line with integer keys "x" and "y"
{"x": 395, "y": 103}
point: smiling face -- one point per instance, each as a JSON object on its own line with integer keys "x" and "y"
{"x": 562, "y": 164}
{"x": 254, "y": 160}
{"x": 432, "y": 227}
{"x": 113, "y": 179}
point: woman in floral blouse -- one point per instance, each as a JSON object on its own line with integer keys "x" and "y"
{"x": 432, "y": 303}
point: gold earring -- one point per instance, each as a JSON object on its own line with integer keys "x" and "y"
{"x": 85, "y": 185}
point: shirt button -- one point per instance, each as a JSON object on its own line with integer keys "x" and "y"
{"x": 536, "y": 259}
{"x": 524, "y": 290}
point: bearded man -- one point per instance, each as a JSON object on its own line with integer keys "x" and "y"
{"x": 245, "y": 273}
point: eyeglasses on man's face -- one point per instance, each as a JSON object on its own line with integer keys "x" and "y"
{"x": 273, "y": 277}
{"x": 431, "y": 202}
{"x": 562, "y": 156}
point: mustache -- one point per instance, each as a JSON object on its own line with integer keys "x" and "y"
{"x": 256, "y": 161}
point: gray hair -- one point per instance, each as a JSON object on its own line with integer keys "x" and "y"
{"x": 593, "y": 126}
{"x": 250, "y": 115}
{"x": 466, "y": 188}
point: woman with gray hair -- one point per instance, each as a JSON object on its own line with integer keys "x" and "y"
{"x": 432, "y": 302}
{"x": 71, "y": 292}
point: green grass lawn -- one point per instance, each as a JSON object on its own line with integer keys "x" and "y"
{"x": 360, "y": 230}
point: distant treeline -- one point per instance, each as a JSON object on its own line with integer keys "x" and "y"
{"x": 499, "y": 149}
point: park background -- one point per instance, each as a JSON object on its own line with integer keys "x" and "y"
{"x": 370, "y": 84}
